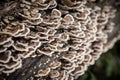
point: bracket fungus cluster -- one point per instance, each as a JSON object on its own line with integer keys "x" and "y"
{"x": 69, "y": 33}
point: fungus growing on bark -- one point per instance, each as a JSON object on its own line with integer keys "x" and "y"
{"x": 67, "y": 35}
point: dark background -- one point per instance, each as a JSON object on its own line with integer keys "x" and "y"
{"x": 107, "y": 67}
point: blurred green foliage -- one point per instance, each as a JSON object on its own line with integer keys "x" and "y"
{"x": 106, "y": 68}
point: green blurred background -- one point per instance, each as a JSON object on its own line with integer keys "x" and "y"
{"x": 107, "y": 67}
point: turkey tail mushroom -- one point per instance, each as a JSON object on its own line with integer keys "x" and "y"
{"x": 54, "y": 39}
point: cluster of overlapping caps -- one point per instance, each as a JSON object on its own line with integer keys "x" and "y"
{"x": 70, "y": 32}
